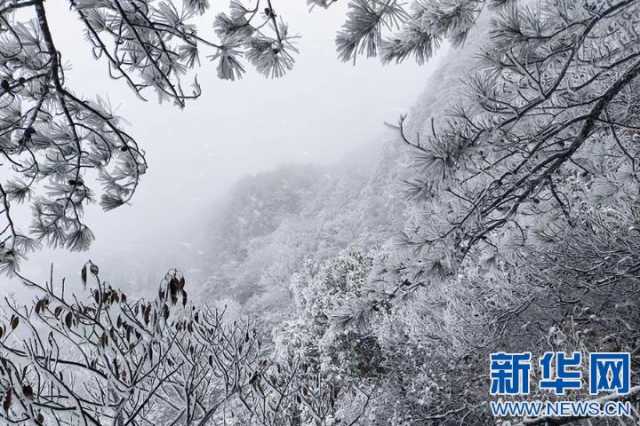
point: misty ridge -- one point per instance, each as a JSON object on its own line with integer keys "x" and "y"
{"x": 294, "y": 250}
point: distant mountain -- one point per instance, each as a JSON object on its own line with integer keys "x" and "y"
{"x": 272, "y": 222}
{"x": 256, "y": 206}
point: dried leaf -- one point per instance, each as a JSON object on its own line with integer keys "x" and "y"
{"x": 7, "y": 400}
{"x": 83, "y": 275}
{"x": 14, "y": 322}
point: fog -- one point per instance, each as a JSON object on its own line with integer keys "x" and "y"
{"x": 315, "y": 114}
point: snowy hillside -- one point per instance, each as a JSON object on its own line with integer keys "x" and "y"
{"x": 274, "y": 222}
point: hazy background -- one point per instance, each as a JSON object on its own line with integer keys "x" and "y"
{"x": 319, "y": 112}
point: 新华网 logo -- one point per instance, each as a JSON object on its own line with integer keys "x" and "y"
{"x": 560, "y": 371}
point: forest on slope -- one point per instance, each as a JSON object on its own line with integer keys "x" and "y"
{"x": 274, "y": 222}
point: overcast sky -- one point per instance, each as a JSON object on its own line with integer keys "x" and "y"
{"x": 316, "y": 113}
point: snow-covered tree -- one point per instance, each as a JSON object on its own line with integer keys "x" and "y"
{"x": 51, "y": 136}
{"x": 95, "y": 357}
{"x": 334, "y": 346}
{"x": 553, "y": 114}
{"x": 525, "y": 206}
